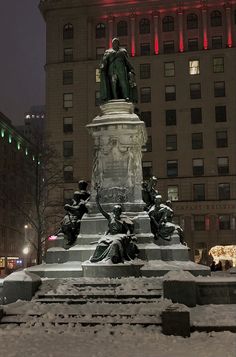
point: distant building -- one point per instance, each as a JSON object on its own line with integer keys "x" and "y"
{"x": 34, "y": 123}
{"x": 16, "y": 185}
{"x": 184, "y": 54}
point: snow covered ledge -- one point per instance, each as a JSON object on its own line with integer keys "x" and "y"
{"x": 20, "y": 285}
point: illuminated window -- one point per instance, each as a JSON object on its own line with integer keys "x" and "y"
{"x": 68, "y": 77}
{"x": 224, "y": 191}
{"x": 223, "y": 165}
{"x": 144, "y": 26}
{"x": 68, "y": 100}
{"x": 122, "y": 28}
{"x": 68, "y": 125}
{"x": 219, "y": 89}
{"x": 220, "y": 113}
{"x": 216, "y": 42}
{"x": 68, "y": 32}
{"x": 147, "y": 169}
{"x": 173, "y": 193}
{"x": 68, "y": 173}
{"x": 170, "y": 117}
{"x": 170, "y": 93}
{"x": 68, "y": 54}
{"x": 147, "y": 118}
{"x": 196, "y": 115}
{"x": 195, "y": 90}
{"x": 192, "y": 21}
{"x": 218, "y": 64}
{"x": 100, "y": 30}
{"x": 216, "y": 18}
{"x": 194, "y": 67}
{"x": 199, "y": 192}
{"x": 172, "y": 168}
{"x": 98, "y": 75}
{"x": 197, "y": 141}
{"x": 198, "y": 167}
{"x": 169, "y": 69}
{"x": 168, "y": 24}
{"x": 171, "y": 142}
{"x": 221, "y": 139}
{"x": 145, "y": 70}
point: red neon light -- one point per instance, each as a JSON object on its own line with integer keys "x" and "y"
{"x": 133, "y": 49}
{"x": 156, "y": 45}
{"x": 205, "y": 41}
{"x": 229, "y": 40}
{"x": 181, "y": 43}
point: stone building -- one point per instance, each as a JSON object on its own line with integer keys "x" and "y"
{"x": 33, "y": 128}
{"x": 16, "y": 183}
{"x": 183, "y": 53}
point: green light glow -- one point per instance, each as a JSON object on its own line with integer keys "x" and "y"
{"x": 33, "y": 158}
{"x": 18, "y": 145}
{"x": 26, "y": 151}
{"x": 2, "y": 133}
{"x": 10, "y": 139}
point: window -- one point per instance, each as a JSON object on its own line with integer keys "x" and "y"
{"x": 145, "y": 71}
{"x": 67, "y": 195}
{"x": 68, "y": 125}
{"x": 145, "y": 95}
{"x": 170, "y": 117}
{"x": 192, "y": 21}
{"x": 68, "y": 173}
{"x": 170, "y": 93}
{"x": 221, "y": 139}
{"x": 68, "y": 100}
{"x": 195, "y": 90}
{"x": 100, "y": 31}
{"x": 220, "y": 113}
{"x": 223, "y": 165}
{"x": 219, "y": 89}
{"x": 98, "y": 75}
{"x": 216, "y": 42}
{"x": 193, "y": 44}
{"x": 199, "y": 223}
{"x": 149, "y": 144}
{"x": 224, "y": 191}
{"x": 197, "y": 141}
{"x": 173, "y": 193}
{"x": 122, "y": 28}
{"x": 224, "y": 222}
{"x": 144, "y": 26}
{"x": 199, "y": 192}
{"x": 196, "y": 115}
{"x": 216, "y": 18}
{"x": 100, "y": 52}
{"x": 198, "y": 167}
{"x": 68, "y": 54}
{"x": 168, "y": 47}
{"x": 194, "y": 67}
{"x": 68, "y": 77}
{"x": 147, "y": 169}
{"x": 172, "y": 168}
{"x": 68, "y": 32}
{"x": 168, "y": 24}
{"x": 171, "y": 142}
{"x": 144, "y": 49}
{"x": 169, "y": 69}
{"x": 97, "y": 98}
{"x": 218, "y": 64}
{"x": 68, "y": 148}
{"x": 147, "y": 118}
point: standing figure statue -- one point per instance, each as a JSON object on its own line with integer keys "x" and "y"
{"x": 70, "y": 225}
{"x": 117, "y": 75}
{"x": 161, "y": 216}
{"x": 149, "y": 192}
{"x": 119, "y": 243}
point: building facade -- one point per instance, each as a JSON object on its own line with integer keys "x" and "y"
{"x": 33, "y": 128}
{"x": 183, "y": 53}
{"x": 16, "y": 170}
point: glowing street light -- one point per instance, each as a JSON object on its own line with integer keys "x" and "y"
{"x": 26, "y": 250}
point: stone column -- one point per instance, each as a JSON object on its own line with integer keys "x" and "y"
{"x": 229, "y": 25}
{"x": 204, "y": 27}
{"x": 156, "y": 32}
{"x": 117, "y": 168}
{"x": 181, "y": 35}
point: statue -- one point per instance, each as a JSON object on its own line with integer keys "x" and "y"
{"x": 117, "y": 75}
{"x": 161, "y": 216}
{"x": 149, "y": 192}
{"x": 119, "y": 243}
{"x": 70, "y": 224}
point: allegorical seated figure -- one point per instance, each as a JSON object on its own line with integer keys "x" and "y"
{"x": 70, "y": 225}
{"x": 117, "y": 75}
{"x": 161, "y": 216}
{"x": 119, "y": 243}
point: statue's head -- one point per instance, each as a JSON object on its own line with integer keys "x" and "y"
{"x": 154, "y": 180}
{"x": 76, "y": 196}
{"x": 169, "y": 203}
{"x": 115, "y": 43}
{"x": 158, "y": 200}
{"x": 117, "y": 210}
{"x": 83, "y": 185}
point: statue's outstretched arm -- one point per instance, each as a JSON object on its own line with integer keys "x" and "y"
{"x": 103, "y": 212}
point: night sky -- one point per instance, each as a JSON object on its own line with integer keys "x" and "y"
{"x": 22, "y": 59}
